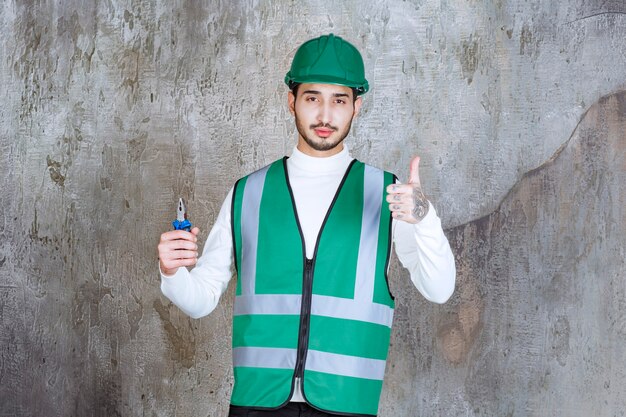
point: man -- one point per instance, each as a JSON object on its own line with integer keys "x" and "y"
{"x": 310, "y": 238}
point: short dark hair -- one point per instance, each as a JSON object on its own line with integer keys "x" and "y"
{"x": 294, "y": 89}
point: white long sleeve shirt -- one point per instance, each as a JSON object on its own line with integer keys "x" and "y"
{"x": 422, "y": 248}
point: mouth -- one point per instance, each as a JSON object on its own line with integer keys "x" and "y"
{"x": 323, "y": 131}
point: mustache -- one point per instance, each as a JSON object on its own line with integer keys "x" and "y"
{"x": 325, "y": 125}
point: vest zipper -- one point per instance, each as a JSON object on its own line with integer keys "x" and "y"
{"x": 307, "y": 283}
{"x": 305, "y": 316}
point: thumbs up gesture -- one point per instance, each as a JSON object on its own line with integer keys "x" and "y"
{"x": 407, "y": 201}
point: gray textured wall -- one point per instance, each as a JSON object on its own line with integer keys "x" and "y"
{"x": 111, "y": 110}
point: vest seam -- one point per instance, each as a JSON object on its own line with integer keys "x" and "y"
{"x": 389, "y": 246}
{"x": 232, "y": 225}
{"x": 295, "y": 211}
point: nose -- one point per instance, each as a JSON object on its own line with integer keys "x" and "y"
{"x": 324, "y": 115}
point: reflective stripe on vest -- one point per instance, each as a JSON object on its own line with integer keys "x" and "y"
{"x": 322, "y": 305}
{"x": 351, "y": 310}
{"x": 250, "y": 222}
{"x": 332, "y": 363}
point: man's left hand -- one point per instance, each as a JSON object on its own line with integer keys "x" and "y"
{"x": 407, "y": 201}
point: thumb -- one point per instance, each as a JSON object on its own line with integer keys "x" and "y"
{"x": 414, "y": 173}
{"x": 195, "y": 231}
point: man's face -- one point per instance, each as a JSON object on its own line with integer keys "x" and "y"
{"x": 323, "y": 115}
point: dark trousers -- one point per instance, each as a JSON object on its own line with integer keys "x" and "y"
{"x": 290, "y": 410}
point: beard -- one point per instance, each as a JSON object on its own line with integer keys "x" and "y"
{"x": 322, "y": 144}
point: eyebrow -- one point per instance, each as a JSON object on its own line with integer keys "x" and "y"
{"x": 319, "y": 92}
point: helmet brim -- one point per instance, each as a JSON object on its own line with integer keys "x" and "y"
{"x": 362, "y": 87}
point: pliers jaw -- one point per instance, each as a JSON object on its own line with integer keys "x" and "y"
{"x": 181, "y": 222}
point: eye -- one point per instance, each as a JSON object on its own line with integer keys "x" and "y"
{"x": 340, "y": 101}
{"x": 311, "y": 98}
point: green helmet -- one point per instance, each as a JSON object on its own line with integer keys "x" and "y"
{"x": 328, "y": 60}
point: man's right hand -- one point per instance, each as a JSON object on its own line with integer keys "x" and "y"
{"x": 178, "y": 248}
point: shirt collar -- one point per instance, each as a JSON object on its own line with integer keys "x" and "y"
{"x": 329, "y": 164}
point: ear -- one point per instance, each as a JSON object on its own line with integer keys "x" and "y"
{"x": 357, "y": 105}
{"x": 291, "y": 99}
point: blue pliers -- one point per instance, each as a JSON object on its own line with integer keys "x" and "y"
{"x": 181, "y": 222}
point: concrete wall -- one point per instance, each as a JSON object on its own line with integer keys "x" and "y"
{"x": 111, "y": 110}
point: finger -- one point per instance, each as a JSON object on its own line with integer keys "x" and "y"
{"x": 179, "y": 254}
{"x": 414, "y": 173}
{"x": 188, "y": 262}
{"x": 399, "y": 207}
{"x": 195, "y": 231}
{"x": 178, "y": 234}
{"x": 174, "y": 252}
{"x": 398, "y": 215}
{"x": 401, "y": 215}
{"x": 176, "y": 245}
{"x": 399, "y": 188}
{"x": 177, "y": 263}
{"x": 399, "y": 198}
